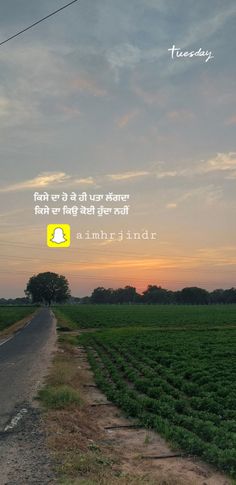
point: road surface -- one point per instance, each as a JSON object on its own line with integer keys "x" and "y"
{"x": 23, "y": 359}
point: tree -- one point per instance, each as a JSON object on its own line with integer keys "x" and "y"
{"x": 193, "y": 296}
{"x": 127, "y": 294}
{"x": 120, "y": 295}
{"x": 230, "y": 295}
{"x": 101, "y": 295}
{"x": 48, "y": 288}
{"x": 157, "y": 294}
{"x": 217, "y": 296}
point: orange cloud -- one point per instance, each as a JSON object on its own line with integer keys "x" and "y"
{"x": 124, "y": 120}
{"x": 87, "y": 85}
{"x": 231, "y": 120}
{"x": 127, "y": 175}
{"x": 43, "y": 180}
{"x": 85, "y": 181}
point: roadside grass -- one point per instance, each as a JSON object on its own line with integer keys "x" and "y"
{"x": 68, "y": 339}
{"x": 63, "y": 321}
{"x": 14, "y": 316}
{"x": 67, "y": 424}
{"x": 63, "y": 371}
{"x": 59, "y": 397}
{"x": 92, "y": 464}
{"x": 59, "y": 391}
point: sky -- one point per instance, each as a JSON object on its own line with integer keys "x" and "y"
{"x": 91, "y": 100}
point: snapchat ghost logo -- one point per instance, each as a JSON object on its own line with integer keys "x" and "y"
{"x": 58, "y": 235}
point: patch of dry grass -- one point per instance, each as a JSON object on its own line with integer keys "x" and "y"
{"x": 60, "y": 397}
{"x": 63, "y": 371}
{"x": 121, "y": 479}
{"x": 61, "y": 391}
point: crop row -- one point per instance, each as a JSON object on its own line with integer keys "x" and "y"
{"x": 196, "y": 419}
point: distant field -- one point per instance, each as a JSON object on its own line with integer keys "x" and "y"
{"x": 107, "y": 316}
{"x": 10, "y": 315}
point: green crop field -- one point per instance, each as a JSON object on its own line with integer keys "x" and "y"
{"x": 172, "y": 368}
{"x": 10, "y": 315}
{"x": 99, "y": 316}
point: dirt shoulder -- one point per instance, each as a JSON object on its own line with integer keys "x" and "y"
{"x": 93, "y": 443}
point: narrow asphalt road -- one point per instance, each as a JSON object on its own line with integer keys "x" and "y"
{"x": 23, "y": 362}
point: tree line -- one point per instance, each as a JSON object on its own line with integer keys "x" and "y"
{"x": 157, "y": 295}
{"x": 49, "y": 288}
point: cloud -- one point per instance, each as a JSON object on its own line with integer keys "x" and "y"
{"x": 24, "y": 97}
{"x": 200, "y": 258}
{"x": 71, "y": 111}
{"x": 231, "y": 120}
{"x": 208, "y": 195}
{"x": 221, "y": 162}
{"x": 231, "y": 176}
{"x": 171, "y": 205}
{"x": 219, "y": 256}
{"x": 47, "y": 179}
{"x": 208, "y": 26}
{"x": 123, "y": 55}
{"x": 12, "y": 213}
{"x": 167, "y": 173}
{"x": 124, "y": 120}
{"x": 127, "y": 175}
{"x": 180, "y": 115}
{"x": 4, "y": 106}
{"x": 43, "y": 180}
{"x": 150, "y": 97}
{"x": 15, "y": 111}
{"x": 86, "y": 85}
{"x": 128, "y": 56}
{"x": 50, "y": 88}
{"x": 85, "y": 181}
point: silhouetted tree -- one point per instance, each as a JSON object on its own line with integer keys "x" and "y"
{"x": 127, "y": 294}
{"x": 193, "y": 296}
{"x": 48, "y": 288}
{"x": 157, "y": 294}
{"x": 217, "y": 296}
{"x": 230, "y": 295}
{"x": 101, "y": 295}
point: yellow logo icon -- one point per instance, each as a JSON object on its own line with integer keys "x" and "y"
{"x": 58, "y": 235}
